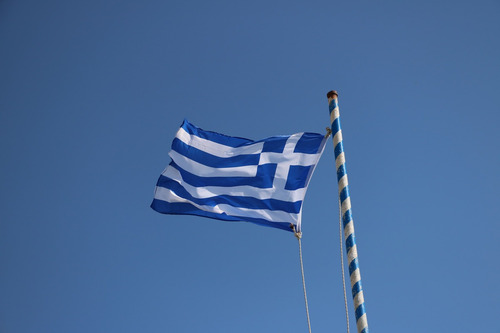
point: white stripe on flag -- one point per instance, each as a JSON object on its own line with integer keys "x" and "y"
{"x": 270, "y": 215}
{"x": 215, "y": 148}
{"x": 206, "y": 171}
{"x": 244, "y": 191}
{"x": 292, "y": 159}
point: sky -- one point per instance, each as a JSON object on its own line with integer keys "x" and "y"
{"x": 92, "y": 93}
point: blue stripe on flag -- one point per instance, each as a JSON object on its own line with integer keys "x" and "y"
{"x": 230, "y": 141}
{"x": 213, "y": 161}
{"x": 188, "y": 209}
{"x": 235, "y": 201}
{"x": 297, "y": 177}
{"x": 275, "y": 144}
{"x": 309, "y": 143}
{"x": 263, "y": 179}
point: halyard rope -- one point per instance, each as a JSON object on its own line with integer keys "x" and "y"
{"x": 299, "y": 236}
{"x": 328, "y": 133}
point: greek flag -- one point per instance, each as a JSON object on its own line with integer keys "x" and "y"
{"x": 236, "y": 179}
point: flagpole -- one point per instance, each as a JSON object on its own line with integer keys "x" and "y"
{"x": 347, "y": 221}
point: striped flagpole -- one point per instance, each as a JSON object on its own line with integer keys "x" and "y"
{"x": 347, "y": 222}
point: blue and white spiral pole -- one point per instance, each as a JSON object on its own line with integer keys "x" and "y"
{"x": 347, "y": 221}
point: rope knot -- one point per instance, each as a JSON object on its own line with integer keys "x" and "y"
{"x": 297, "y": 234}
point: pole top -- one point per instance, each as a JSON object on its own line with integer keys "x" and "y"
{"x": 332, "y": 94}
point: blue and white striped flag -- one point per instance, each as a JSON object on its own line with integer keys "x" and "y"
{"x": 236, "y": 179}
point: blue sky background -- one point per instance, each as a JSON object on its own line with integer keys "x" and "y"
{"x": 92, "y": 92}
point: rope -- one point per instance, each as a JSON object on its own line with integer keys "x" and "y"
{"x": 299, "y": 236}
{"x": 342, "y": 265}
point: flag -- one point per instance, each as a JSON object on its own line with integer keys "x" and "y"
{"x": 236, "y": 179}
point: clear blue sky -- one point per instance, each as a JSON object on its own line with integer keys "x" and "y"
{"x": 92, "y": 92}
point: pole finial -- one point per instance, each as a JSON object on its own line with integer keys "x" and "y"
{"x": 332, "y": 94}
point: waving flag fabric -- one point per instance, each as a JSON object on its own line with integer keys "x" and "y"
{"x": 236, "y": 179}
